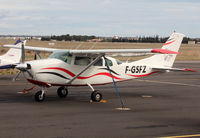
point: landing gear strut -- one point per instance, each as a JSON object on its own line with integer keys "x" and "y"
{"x": 62, "y": 92}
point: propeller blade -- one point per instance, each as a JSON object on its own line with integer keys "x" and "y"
{"x": 29, "y": 74}
{"x": 15, "y": 78}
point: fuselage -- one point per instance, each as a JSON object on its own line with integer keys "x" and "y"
{"x": 57, "y": 72}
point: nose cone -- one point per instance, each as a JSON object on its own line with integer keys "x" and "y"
{"x": 23, "y": 67}
{"x": 30, "y": 68}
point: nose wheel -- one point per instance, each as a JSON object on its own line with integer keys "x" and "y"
{"x": 39, "y": 96}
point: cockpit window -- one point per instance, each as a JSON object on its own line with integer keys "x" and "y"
{"x": 82, "y": 61}
{"x": 62, "y": 55}
{"x": 109, "y": 62}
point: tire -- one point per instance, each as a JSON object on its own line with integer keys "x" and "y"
{"x": 96, "y": 96}
{"x": 39, "y": 97}
{"x": 62, "y": 92}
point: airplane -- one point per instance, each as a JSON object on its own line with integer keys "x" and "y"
{"x": 65, "y": 68}
{"x": 12, "y": 57}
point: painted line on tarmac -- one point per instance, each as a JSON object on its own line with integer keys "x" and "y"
{"x": 183, "y": 136}
{"x": 173, "y": 83}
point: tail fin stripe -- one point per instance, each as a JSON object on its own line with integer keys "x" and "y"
{"x": 169, "y": 43}
{"x": 17, "y": 42}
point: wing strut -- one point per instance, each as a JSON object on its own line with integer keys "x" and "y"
{"x": 92, "y": 63}
{"x": 37, "y": 55}
{"x": 122, "y": 102}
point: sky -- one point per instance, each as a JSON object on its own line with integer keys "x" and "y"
{"x": 100, "y": 17}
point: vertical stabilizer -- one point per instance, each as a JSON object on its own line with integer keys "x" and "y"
{"x": 166, "y": 60}
{"x": 12, "y": 55}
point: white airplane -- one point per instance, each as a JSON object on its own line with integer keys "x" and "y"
{"x": 12, "y": 57}
{"x": 66, "y": 68}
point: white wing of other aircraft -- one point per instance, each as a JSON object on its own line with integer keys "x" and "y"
{"x": 12, "y": 57}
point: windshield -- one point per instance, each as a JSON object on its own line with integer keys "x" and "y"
{"x": 118, "y": 62}
{"x": 62, "y": 55}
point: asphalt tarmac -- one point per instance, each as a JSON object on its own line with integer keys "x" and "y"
{"x": 161, "y": 106}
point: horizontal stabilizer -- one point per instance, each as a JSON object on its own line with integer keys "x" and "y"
{"x": 173, "y": 69}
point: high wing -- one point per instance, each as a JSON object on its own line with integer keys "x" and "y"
{"x": 96, "y": 51}
{"x": 39, "y": 49}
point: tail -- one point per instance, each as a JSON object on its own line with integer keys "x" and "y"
{"x": 166, "y": 60}
{"x": 13, "y": 55}
{"x": 17, "y": 42}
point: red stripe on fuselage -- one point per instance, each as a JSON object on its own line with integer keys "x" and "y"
{"x": 102, "y": 73}
{"x": 80, "y": 77}
{"x": 40, "y": 83}
{"x": 61, "y": 69}
{"x": 144, "y": 75}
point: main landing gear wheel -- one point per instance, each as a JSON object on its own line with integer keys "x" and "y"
{"x": 96, "y": 96}
{"x": 62, "y": 92}
{"x": 39, "y": 97}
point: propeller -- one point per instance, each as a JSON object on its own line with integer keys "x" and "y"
{"x": 23, "y": 53}
{"x": 15, "y": 78}
{"x": 22, "y": 67}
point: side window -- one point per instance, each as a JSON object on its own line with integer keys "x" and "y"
{"x": 62, "y": 55}
{"x": 99, "y": 62}
{"x": 68, "y": 59}
{"x": 82, "y": 61}
{"x": 109, "y": 62}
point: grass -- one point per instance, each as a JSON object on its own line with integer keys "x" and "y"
{"x": 187, "y": 52}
